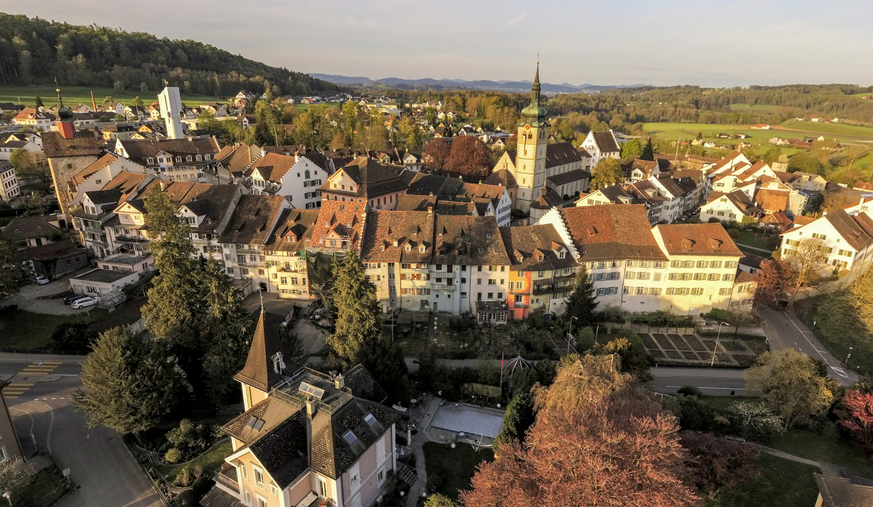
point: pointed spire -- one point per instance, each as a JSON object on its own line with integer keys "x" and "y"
{"x": 258, "y": 371}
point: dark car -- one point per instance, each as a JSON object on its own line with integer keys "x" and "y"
{"x": 69, "y": 299}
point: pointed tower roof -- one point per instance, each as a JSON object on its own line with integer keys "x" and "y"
{"x": 260, "y": 370}
{"x": 534, "y": 114}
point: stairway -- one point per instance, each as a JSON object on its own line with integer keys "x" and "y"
{"x": 406, "y": 474}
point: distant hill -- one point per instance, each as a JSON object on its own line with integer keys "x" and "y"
{"x": 459, "y": 84}
{"x": 34, "y": 51}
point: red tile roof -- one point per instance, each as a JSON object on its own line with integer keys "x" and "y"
{"x": 612, "y": 232}
{"x": 339, "y": 221}
{"x": 696, "y": 239}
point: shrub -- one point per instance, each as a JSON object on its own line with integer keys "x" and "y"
{"x": 184, "y": 477}
{"x": 695, "y": 415}
{"x": 690, "y": 391}
{"x": 190, "y": 438}
{"x": 754, "y": 421}
{"x": 174, "y": 455}
{"x": 434, "y": 482}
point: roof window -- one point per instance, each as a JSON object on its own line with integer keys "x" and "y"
{"x": 369, "y": 419}
{"x": 350, "y": 437}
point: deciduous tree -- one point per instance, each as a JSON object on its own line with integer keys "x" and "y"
{"x": 855, "y": 414}
{"x": 791, "y": 384}
{"x": 719, "y": 465}
{"x": 606, "y": 173}
{"x": 598, "y": 439}
{"x": 632, "y": 148}
{"x": 437, "y": 153}
{"x": 128, "y": 383}
{"x": 12, "y": 277}
{"x": 807, "y": 260}
{"x": 773, "y": 282}
{"x": 470, "y": 158}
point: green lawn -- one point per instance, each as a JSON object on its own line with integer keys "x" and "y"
{"x": 769, "y": 241}
{"x": 784, "y": 484}
{"x": 32, "y": 331}
{"x": 810, "y": 445}
{"x": 74, "y": 95}
{"x": 455, "y": 466}
{"x": 829, "y": 130}
{"x": 688, "y": 131}
{"x": 211, "y": 460}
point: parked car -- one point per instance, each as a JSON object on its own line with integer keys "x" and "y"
{"x": 85, "y": 302}
{"x": 70, "y": 299}
{"x": 41, "y": 279}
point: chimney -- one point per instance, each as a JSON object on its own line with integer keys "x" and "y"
{"x": 430, "y": 210}
{"x": 310, "y": 408}
{"x": 297, "y": 155}
{"x": 339, "y": 381}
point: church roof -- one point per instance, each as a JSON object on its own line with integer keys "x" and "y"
{"x": 534, "y": 113}
{"x": 259, "y": 371}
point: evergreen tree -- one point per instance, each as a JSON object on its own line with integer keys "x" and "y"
{"x": 519, "y": 416}
{"x": 357, "y": 319}
{"x": 648, "y": 151}
{"x": 581, "y": 302}
{"x": 128, "y": 383}
{"x": 38, "y": 101}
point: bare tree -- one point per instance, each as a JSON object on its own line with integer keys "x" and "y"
{"x": 808, "y": 257}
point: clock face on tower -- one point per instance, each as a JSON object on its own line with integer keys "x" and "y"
{"x": 527, "y": 127}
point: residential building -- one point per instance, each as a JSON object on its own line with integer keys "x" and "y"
{"x": 285, "y": 253}
{"x": 637, "y": 169}
{"x": 55, "y": 259}
{"x": 31, "y": 231}
{"x": 731, "y": 207}
{"x": 96, "y": 175}
{"x": 179, "y": 159}
{"x": 243, "y": 241}
{"x": 296, "y": 177}
{"x": 305, "y": 437}
{"x": 34, "y": 118}
{"x": 365, "y": 180}
{"x": 102, "y": 282}
{"x": 600, "y": 145}
{"x": 9, "y": 188}
{"x": 497, "y": 196}
{"x": 702, "y": 269}
{"x": 840, "y": 491}
{"x": 847, "y": 238}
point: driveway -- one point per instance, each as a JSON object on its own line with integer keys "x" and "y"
{"x": 785, "y": 330}
{"x": 36, "y": 298}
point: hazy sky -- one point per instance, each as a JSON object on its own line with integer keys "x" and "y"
{"x": 709, "y": 43}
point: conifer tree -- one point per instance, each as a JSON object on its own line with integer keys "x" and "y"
{"x": 581, "y": 302}
{"x": 357, "y": 319}
{"x": 648, "y": 151}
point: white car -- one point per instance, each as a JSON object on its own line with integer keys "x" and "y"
{"x": 85, "y": 302}
{"x": 41, "y": 279}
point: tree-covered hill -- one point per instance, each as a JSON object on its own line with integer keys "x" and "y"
{"x": 36, "y": 51}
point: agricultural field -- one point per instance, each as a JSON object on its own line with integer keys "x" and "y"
{"x": 840, "y": 131}
{"x": 82, "y": 95}
{"x": 755, "y": 107}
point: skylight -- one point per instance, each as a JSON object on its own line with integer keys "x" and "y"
{"x": 350, "y": 437}
{"x": 369, "y": 419}
{"x": 310, "y": 389}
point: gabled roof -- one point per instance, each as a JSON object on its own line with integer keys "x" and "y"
{"x": 547, "y": 200}
{"x": 568, "y": 177}
{"x": 102, "y": 162}
{"x": 432, "y": 184}
{"x": 412, "y": 202}
{"x": 24, "y": 228}
{"x": 605, "y": 141}
{"x": 502, "y": 177}
{"x": 372, "y": 178}
{"x": 696, "y": 239}
{"x": 612, "y": 232}
{"x": 252, "y": 220}
{"x": 844, "y": 491}
{"x": 857, "y": 230}
{"x": 272, "y": 166}
{"x": 535, "y": 248}
{"x": 483, "y": 191}
{"x": 343, "y": 220}
{"x": 772, "y": 200}
{"x": 468, "y": 240}
{"x": 558, "y": 154}
{"x": 141, "y": 150}
{"x": 398, "y": 236}
{"x": 738, "y": 198}
{"x": 293, "y": 230}
{"x": 84, "y": 143}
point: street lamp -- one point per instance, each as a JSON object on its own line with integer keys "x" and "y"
{"x": 848, "y": 356}
{"x": 712, "y": 363}
{"x": 570, "y": 333}
{"x": 8, "y": 497}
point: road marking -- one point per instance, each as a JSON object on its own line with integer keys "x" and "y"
{"x": 48, "y": 437}
{"x": 838, "y": 371}
{"x": 41, "y": 367}
{"x": 14, "y": 390}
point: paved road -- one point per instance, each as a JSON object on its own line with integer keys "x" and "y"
{"x": 105, "y": 473}
{"x": 712, "y": 381}
{"x": 785, "y": 330}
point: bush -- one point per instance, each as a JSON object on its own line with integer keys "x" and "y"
{"x": 174, "y": 455}
{"x": 434, "y": 482}
{"x": 73, "y": 336}
{"x": 695, "y": 415}
{"x": 191, "y": 439}
{"x": 184, "y": 478}
{"x": 690, "y": 391}
{"x": 753, "y": 421}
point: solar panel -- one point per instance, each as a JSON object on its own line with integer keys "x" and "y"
{"x": 310, "y": 389}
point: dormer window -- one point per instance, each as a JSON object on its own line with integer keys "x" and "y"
{"x": 188, "y": 158}
{"x": 395, "y": 242}
{"x": 562, "y": 254}
{"x": 408, "y": 248}
{"x": 178, "y": 158}
{"x": 421, "y": 249}
{"x": 150, "y": 160}
{"x": 199, "y": 158}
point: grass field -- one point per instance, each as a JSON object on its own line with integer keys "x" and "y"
{"x": 791, "y": 128}
{"x": 33, "y": 331}
{"x": 811, "y": 445}
{"x": 783, "y": 484}
{"x": 829, "y": 130}
{"x": 756, "y": 107}
{"x": 209, "y": 460}
{"x": 455, "y": 466}
{"x": 74, "y": 95}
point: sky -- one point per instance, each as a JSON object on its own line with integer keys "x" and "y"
{"x": 658, "y": 42}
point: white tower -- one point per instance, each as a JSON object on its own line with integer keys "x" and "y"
{"x": 171, "y": 109}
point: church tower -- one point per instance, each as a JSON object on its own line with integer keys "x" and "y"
{"x": 530, "y": 158}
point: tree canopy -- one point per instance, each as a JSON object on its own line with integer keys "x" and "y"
{"x": 598, "y": 439}
{"x": 128, "y": 383}
{"x": 606, "y": 173}
{"x": 581, "y": 303}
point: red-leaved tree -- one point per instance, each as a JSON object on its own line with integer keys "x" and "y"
{"x": 436, "y": 154}
{"x": 719, "y": 464}
{"x": 471, "y": 158}
{"x": 774, "y": 282}
{"x": 599, "y": 439}
{"x": 855, "y": 413}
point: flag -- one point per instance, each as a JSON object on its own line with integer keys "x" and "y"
{"x": 502, "y": 358}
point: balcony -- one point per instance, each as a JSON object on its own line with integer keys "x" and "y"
{"x": 437, "y": 286}
{"x": 540, "y": 290}
{"x": 226, "y": 479}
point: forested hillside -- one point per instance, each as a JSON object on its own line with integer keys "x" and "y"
{"x": 36, "y": 51}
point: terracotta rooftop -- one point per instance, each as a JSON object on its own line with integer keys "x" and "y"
{"x": 398, "y": 236}
{"x": 612, "y": 232}
{"x": 253, "y": 219}
{"x": 341, "y": 223}
{"x": 696, "y": 239}
{"x": 536, "y": 248}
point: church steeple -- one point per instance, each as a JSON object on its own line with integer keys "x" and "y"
{"x": 535, "y": 113}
